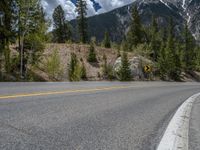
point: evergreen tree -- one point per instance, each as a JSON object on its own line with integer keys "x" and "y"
{"x": 83, "y": 72}
{"x": 178, "y": 62}
{"x": 29, "y": 24}
{"x": 135, "y": 34}
{"x": 61, "y": 32}
{"x": 118, "y": 53}
{"x": 163, "y": 62}
{"x": 171, "y": 50}
{"x": 34, "y": 42}
{"x": 107, "y": 69}
{"x": 189, "y": 50}
{"x": 198, "y": 58}
{"x": 163, "y": 35}
{"x": 6, "y": 32}
{"x": 125, "y": 72}
{"x": 154, "y": 40}
{"x": 92, "y": 54}
{"x": 106, "y": 42}
{"x": 169, "y": 60}
{"x": 105, "y": 66}
{"x": 154, "y": 24}
{"x": 74, "y": 68}
{"x": 81, "y": 8}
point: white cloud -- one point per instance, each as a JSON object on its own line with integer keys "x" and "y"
{"x": 69, "y": 7}
{"x": 108, "y": 5}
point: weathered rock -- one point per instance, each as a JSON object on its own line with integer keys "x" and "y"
{"x": 137, "y": 64}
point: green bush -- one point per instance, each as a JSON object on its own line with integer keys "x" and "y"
{"x": 83, "y": 72}
{"x": 74, "y": 70}
{"x": 92, "y": 55}
{"x": 54, "y": 69}
{"x": 107, "y": 69}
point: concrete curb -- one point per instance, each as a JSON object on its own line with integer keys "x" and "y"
{"x": 176, "y": 134}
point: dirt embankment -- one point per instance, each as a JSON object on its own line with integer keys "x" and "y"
{"x": 81, "y": 51}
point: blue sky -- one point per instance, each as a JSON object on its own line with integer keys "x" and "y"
{"x": 94, "y": 6}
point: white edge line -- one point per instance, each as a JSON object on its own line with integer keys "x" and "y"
{"x": 176, "y": 134}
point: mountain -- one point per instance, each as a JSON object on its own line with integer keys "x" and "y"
{"x": 117, "y": 21}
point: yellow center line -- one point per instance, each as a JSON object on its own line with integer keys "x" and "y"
{"x": 61, "y": 92}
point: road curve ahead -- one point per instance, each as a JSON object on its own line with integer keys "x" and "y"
{"x": 88, "y": 115}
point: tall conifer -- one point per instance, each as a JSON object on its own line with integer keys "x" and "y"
{"x": 81, "y": 8}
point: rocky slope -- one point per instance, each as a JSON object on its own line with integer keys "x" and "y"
{"x": 118, "y": 20}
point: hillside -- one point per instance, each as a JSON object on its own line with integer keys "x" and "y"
{"x": 81, "y": 51}
{"x": 94, "y": 71}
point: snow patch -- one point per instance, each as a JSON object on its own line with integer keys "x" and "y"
{"x": 189, "y": 18}
{"x": 165, "y": 4}
{"x": 183, "y": 5}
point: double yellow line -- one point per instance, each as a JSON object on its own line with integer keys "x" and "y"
{"x": 61, "y": 92}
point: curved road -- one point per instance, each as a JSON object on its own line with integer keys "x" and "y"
{"x": 88, "y": 115}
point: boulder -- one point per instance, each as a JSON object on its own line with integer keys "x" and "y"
{"x": 137, "y": 64}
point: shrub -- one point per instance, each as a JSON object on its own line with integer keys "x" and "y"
{"x": 74, "y": 71}
{"x": 83, "y": 72}
{"x": 92, "y": 55}
{"x": 54, "y": 69}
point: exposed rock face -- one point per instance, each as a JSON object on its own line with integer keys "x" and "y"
{"x": 118, "y": 20}
{"x": 137, "y": 64}
{"x": 190, "y": 11}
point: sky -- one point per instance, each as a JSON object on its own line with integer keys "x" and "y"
{"x": 94, "y": 6}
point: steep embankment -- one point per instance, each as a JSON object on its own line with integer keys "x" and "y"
{"x": 81, "y": 51}
{"x": 94, "y": 71}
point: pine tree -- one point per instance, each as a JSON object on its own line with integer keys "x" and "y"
{"x": 61, "y": 32}
{"x": 189, "y": 53}
{"x": 83, "y": 72}
{"x": 34, "y": 42}
{"x": 178, "y": 62}
{"x": 154, "y": 40}
{"x": 81, "y": 8}
{"x": 171, "y": 51}
{"x": 105, "y": 66}
{"x": 197, "y": 50}
{"x": 125, "y": 72}
{"x": 74, "y": 68}
{"x": 163, "y": 62}
{"x": 106, "y": 42}
{"x": 135, "y": 34}
{"x": 92, "y": 55}
{"x": 6, "y": 32}
{"x": 29, "y": 24}
{"x": 107, "y": 69}
{"x": 169, "y": 60}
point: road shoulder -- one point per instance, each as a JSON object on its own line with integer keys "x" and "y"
{"x": 194, "y": 128}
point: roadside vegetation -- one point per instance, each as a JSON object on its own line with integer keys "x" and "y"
{"x": 24, "y": 37}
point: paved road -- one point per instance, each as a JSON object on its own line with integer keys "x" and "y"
{"x": 88, "y": 115}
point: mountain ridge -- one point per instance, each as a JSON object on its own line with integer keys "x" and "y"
{"x": 117, "y": 21}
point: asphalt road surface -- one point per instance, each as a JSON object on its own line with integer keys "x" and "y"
{"x": 88, "y": 115}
